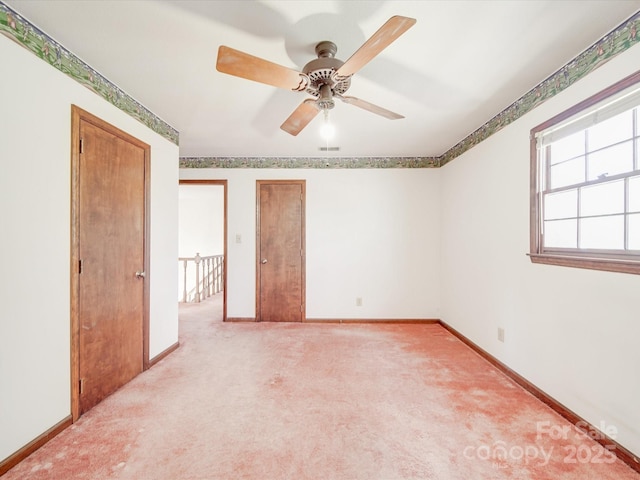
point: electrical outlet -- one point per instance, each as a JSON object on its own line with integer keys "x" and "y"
{"x": 501, "y": 334}
{"x": 358, "y": 301}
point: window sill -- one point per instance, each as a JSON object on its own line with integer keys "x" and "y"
{"x": 591, "y": 263}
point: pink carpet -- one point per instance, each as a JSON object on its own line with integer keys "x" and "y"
{"x": 321, "y": 402}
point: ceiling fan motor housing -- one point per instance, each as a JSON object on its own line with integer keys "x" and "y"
{"x": 321, "y": 71}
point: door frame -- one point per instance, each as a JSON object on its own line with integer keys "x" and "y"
{"x": 224, "y": 227}
{"x": 303, "y": 259}
{"x": 77, "y": 116}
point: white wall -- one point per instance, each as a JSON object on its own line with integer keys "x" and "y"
{"x": 573, "y": 333}
{"x": 372, "y": 234}
{"x": 201, "y": 220}
{"x": 35, "y": 157}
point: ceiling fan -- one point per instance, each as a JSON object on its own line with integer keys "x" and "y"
{"x": 325, "y": 77}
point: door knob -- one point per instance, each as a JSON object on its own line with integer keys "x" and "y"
{"x": 264, "y": 260}
{"x": 140, "y": 274}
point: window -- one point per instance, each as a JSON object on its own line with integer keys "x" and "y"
{"x": 585, "y": 183}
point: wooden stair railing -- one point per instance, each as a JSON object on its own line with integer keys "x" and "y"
{"x": 208, "y": 277}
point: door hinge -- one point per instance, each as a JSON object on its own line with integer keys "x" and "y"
{"x": 80, "y": 266}
{"x": 81, "y": 385}
{"x": 81, "y": 145}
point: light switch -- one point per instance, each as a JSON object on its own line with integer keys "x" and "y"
{"x": 238, "y": 238}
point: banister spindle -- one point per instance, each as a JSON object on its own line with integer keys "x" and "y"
{"x": 197, "y": 259}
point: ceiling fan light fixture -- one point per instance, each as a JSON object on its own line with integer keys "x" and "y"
{"x": 327, "y": 129}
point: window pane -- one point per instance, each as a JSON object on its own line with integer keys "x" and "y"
{"x": 613, "y": 130}
{"x": 560, "y": 233}
{"x": 634, "y": 232}
{"x": 611, "y": 161}
{"x": 567, "y": 173}
{"x": 602, "y": 199}
{"x": 561, "y": 205}
{"x": 634, "y": 194}
{"x": 602, "y": 232}
{"x": 569, "y": 147}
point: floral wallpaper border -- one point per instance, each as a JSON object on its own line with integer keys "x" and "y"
{"x": 612, "y": 44}
{"x": 20, "y": 30}
{"x": 309, "y": 162}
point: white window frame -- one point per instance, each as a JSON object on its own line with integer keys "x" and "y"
{"x": 616, "y": 99}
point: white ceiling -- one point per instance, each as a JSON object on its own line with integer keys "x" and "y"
{"x": 462, "y": 63}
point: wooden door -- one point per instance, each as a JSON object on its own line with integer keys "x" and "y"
{"x": 111, "y": 224}
{"x": 280, "y": 251}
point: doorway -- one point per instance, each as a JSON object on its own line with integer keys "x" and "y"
{"x": 109, "y": 259}
{"x": 203, "y": 241}
{"x": 280, "y": 249}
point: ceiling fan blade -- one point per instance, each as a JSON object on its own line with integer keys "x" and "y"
{"x": 387, "y": 34}
{"x": 370, "y": 107}
{"x": 243, "y": 65}
{"x": 300, "y": 117}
